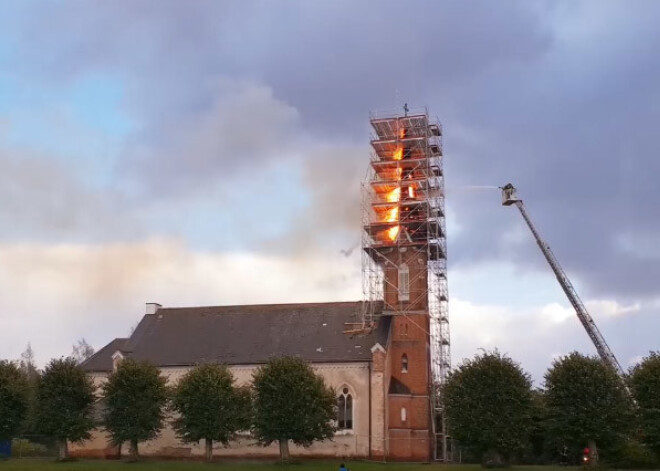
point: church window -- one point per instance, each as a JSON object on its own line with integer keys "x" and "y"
{"x": 345, "y": 410}
{"x": 403, "y": 414}
{"x": 404, "y": 363}
{"x": 404, "y": 283}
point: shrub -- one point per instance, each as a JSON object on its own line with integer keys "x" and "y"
{"x": 634, "y": 455}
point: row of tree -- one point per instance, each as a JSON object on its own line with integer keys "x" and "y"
{"x": 498, "y": 417}
{"x": 286, "y": 402}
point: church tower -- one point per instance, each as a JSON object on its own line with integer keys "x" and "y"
{"x": 405, "y": 278}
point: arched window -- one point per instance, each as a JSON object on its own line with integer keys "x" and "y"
{"x": 404, "y": 282}
{"x": 345, "y": 410}
{"x": 404, "y": 363}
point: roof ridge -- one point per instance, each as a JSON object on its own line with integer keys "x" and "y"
{"x": 243, "y": 306}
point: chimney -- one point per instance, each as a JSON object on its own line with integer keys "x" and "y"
{"x": 152, "y": 308}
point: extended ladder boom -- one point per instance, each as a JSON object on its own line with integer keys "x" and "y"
{"x": 509, "y": 198}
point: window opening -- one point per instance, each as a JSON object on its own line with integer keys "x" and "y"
{"x": 404, "y": 283}
{"x": 404, "y": 363}
{"x": 345, "y": 410}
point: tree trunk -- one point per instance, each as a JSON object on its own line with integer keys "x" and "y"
{"x": 284, "y": 449}
{"x": 63, "y": 450}
{"x": 134, "y": 450}
{"x": 593, "y": 453}
{"x": 209, "y": 449}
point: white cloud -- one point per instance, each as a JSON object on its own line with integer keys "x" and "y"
{"x": 611, "y": 308}
{"x": 531, "y": 335}
{"x": 55, "y": 294}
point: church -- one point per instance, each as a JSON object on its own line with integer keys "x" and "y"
{"x": 384, "y": 356}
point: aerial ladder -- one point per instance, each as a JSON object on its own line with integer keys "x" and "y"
{"x": 509, "y": 198}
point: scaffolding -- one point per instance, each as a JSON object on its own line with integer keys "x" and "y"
{"x": 403, "y": 212}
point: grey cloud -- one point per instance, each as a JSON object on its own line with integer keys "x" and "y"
{"x": 244, "y": 126}
{"x": 329, "y": 224}
{"x": 580, "y": 143}
{"x": 332, "y": 60}
{"x": 558, "y": 97}
{"x": 40, "y": 200}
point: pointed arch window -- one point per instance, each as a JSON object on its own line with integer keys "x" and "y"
{"x": 345, "y": 410}
{"x": 404, "y": 363}
{"x": 404, "y": 282}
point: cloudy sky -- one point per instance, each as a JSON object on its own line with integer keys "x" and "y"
{"x": 204, "y": 153}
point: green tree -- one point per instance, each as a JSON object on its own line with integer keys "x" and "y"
{"x": 29, "y": 368}
{"x": 488, "y": 402}
{"x": 645, "y": 385}
{"x": 537, "y": 439}
{"x": 135, "y": 396}
{"x": 210, "y": 407}
{"x": 587, "y": 404}
{"x": 292, "y": 403}
{"x": 14, "y": 396}
{"x": 65, "y": 399}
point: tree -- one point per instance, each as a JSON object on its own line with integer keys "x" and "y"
{"x": 645, "y": 384}
{"x": 292, "y": 403}
{"x": 82, "y": 351}
{"x": 29, "y": 368}
{"x": 586, "y": 404}
{"x": 14, "y": 398}
{"x": 27, "y": 364}
{"x": 488, "y": 402}
{"x": 135, "y": 396}
{"x": 537, "y": 439}
{"x": 210, "y": 407}
{"x": 65, "y": 399}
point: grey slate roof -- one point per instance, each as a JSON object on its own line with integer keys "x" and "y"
{"x": 237, "y": 335}
{"x": 102, "y": 360}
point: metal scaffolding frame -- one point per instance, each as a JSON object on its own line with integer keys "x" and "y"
{"x": 403, "y": 209}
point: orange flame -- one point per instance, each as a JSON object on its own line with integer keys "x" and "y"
{"x": 398, "y": 153}
{"x": 392, "y": 214}
{"x": 393, "y": 232}
{"x": 399, "y": 173}
{"x": 393, "y": 196}
{"x": 411, "y": 192}
{"x": 402, "y": 133}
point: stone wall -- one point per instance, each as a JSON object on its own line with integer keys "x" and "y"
{"x": 355, "y": 443}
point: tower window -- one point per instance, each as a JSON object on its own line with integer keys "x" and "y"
{"x": 403, "y": 414}
{"x": 404, "y": 363}
{"x": 404, "y": 283}
{"x": 345, "y": 410}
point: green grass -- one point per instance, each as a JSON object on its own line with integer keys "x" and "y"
{"x": 101, "y": 465}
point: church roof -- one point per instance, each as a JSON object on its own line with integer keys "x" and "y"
{"x": 102, "y": 360}
{"x": 251, "y": 334}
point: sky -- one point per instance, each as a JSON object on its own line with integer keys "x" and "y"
{"x": 211, "y": 153}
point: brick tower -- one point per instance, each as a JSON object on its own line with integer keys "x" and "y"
{"x": 404, "y": 278}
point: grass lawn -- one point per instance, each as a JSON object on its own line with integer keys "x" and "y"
{"x": 49, "y": 465}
